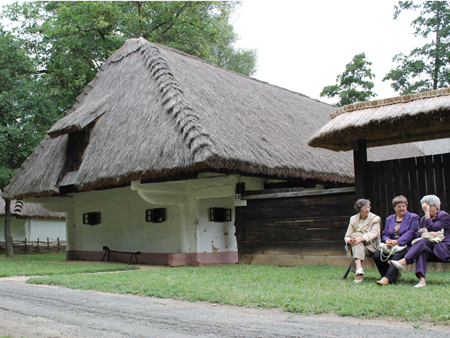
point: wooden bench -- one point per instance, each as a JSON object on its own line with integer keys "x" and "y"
{"x": 108, "y": 251}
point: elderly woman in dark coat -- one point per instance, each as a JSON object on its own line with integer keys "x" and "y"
{"x": 400, "y": 229}
{"x": 362, "y": 236}
{"x": 421, "y": 251}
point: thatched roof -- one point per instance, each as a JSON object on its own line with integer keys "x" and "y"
{"x": 156, "y": 112}
{"x": 409, "y": 118}
{"x": 27, "y": 210}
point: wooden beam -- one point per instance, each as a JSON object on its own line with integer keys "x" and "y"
{"x": 240, "y": 189}
{"x": 360, "y": 166}
{"x": 249, "y": 196}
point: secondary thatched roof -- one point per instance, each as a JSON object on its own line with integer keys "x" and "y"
{"x": 156, "y": 111}
{"x": 27, "y": 210}
{"x": 408, "y": 118}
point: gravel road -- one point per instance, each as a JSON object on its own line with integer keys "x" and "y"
{"x": 28, "y": 310}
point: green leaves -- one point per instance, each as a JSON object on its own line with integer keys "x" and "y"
{"x": 354, "y": 84}
{"x": 72, "y": 39}
{"x": 26, "y": 108}
{"x": 426, "y": 67}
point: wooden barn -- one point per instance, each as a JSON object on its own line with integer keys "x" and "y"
{"x": 32, "y": 222}
{"x": 191, "y": 164}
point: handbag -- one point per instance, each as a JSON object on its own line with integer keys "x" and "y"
{"x": 433, "y": 239}
{"x": 387, "y": 253}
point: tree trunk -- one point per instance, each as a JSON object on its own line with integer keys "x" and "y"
{"x": 8, "y": 239}
{"x": 438, "y": 55}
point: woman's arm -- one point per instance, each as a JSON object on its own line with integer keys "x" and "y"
{"x": 385, "y": 236}
{"x": 350, "y": 229}
{"x": 410, "y": 234}
{"x": 441, "y": 221}
{"x": 374, "y": 231}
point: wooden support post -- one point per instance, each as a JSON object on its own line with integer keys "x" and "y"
{"x": 360, "y": 163}
{"x": 26, "y": 248}
{"x": 240, "y": 189}
{"x": 48, "y": 243}
{"x": 58, "y": 241}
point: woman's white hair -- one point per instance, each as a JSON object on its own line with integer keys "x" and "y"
{"x": 431, "y": 200}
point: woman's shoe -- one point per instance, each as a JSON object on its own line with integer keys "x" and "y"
{"x": 358, "y": 280}
{"x": 398, "y": 265}
{"x": 420, "y": 285}
{"x": 383, "y": 281}
{"x": 360, "y": 272}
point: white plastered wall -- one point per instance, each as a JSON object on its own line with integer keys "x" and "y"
{"x": 17, "y": 229}
{"x": 46, "y": 228}
{"x": 123, "y": 227}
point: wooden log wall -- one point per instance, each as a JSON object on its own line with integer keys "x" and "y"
{"x": 297, "y": 230}
{"x": 412, "y": 178}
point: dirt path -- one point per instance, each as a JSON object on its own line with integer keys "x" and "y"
{"x": 28, "y": 310}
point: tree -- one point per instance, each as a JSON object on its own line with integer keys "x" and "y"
{"x": 354, "y": 84}
{"x": 72, "y": 39}
{"x": 426, "y": 67}
{"x": 26, "y": 112}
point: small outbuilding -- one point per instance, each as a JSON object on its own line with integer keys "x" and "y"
{"x": 31, "y": 222}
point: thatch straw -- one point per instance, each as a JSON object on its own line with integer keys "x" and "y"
{"x": 408, "y": 118}
{"x": 157, "y": 111}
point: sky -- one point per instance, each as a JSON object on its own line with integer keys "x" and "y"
{"x": 303, "y": 45}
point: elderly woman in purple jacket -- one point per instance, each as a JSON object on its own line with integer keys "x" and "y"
{"x": 434, "y": 220}
{"x": 400, "y": 229}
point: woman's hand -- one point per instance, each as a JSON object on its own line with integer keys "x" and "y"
{"x": 433, "y": 233}
{"x": 391, "y": 243}
{"x": 426, "y": 209}
{"x": 356, "y": 240}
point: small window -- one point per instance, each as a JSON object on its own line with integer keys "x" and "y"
{"x": 156, "y": 215}
{"x": 219, "y": 215}
{"x": 91, "y": 218}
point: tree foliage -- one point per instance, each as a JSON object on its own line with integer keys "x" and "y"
{"x": 26, "y": 108}
{"x": 354, "y": 84}
{"x": 26, "y": 112}
{"x": 72, "y": 39}
{"x": 426, "y": 67}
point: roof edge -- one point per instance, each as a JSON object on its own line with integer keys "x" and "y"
{"x": 389, "y": 101}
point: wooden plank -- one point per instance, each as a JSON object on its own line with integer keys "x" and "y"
{"x": 295, "y": 213}
{"x": 335, "y": 222}
{"x": 397, "y": 179}
{"x": 421, "y": 176}
{"x": 330, "y": 200}
{"x": 406, "y": 189}
{"x": 300, "y": 193}
{"x": 446, "y": 172}
{"x": 360, "y": 166}
{"x": 439, "y": 179}
{"x": 294, "y": 235}
{"x": 429, "y": 171}
{"x": 414, "y": 205}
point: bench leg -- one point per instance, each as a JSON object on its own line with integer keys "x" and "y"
{"x": 104, "y": 256}
{"x": 347, "y": 272}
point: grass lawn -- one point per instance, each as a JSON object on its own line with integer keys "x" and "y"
{"x": 50, "y": 264}
{"x": 302, "y": 289}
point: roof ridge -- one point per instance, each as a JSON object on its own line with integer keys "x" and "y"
{"x": 390, "y": 101}
{"x": 175, "y": 105}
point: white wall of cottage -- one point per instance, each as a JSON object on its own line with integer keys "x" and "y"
{"x": 123, "y": 227}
